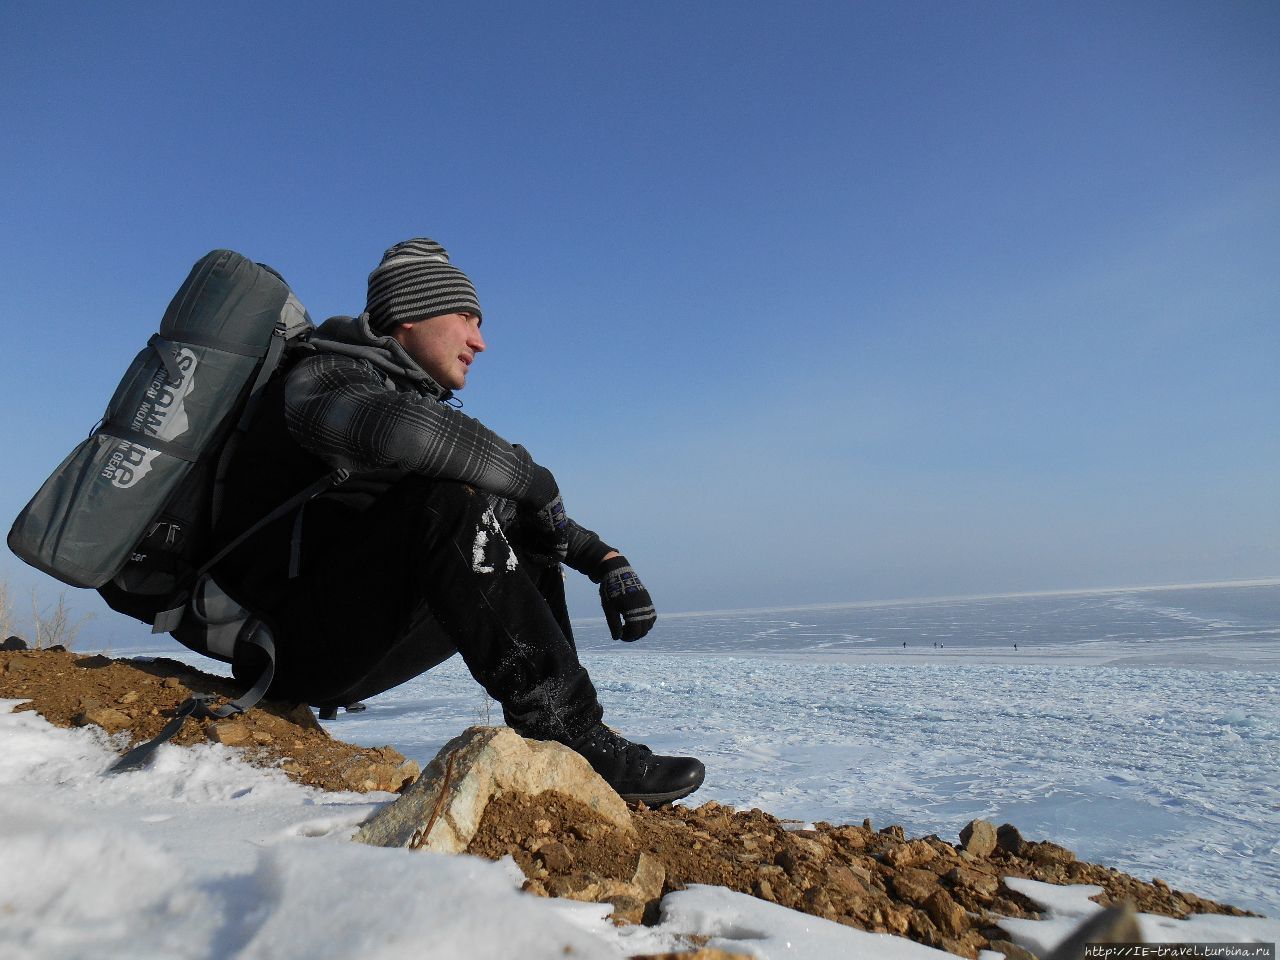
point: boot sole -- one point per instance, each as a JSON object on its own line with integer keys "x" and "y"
{"x": 660, "y": 798}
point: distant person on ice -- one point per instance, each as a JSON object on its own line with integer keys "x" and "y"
{"x": 446, "y": 538}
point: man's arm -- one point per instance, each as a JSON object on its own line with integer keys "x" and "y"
{"x": 346, "y": 413}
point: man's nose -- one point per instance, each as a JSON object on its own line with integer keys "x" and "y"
{"x": 476, "y": 340}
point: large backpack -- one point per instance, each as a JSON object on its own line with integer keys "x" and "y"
{"x": 131, "y": 511}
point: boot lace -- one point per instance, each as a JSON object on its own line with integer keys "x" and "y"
{"x": 635, "y": 756}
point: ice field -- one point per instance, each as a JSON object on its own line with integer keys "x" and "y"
{"x": 1139, "y": 728}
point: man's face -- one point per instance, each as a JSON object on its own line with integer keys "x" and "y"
{"x": 443, "y": 346}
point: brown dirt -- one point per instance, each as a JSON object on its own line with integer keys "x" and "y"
{"x": 138, "y": 698}
{"x": 927, "y": 889}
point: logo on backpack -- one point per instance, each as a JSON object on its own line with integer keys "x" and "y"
{"x": 162, "y": 414}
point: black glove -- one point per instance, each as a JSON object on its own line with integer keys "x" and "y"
{"x": 549, "y": 530}
{"x": 628, "y": 608}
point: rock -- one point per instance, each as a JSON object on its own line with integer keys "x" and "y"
{"x": 536, "y": 887}
{"x": 94, "y": 663}
{"x": 809, "y": 849}
{"x": 911, "y": 854}
{"x": 843, "y": 881}
{"x": 627, "y": 909}
{"x": 301, "y": 716}
{"x": 860, "y": 871}
{"x": 442, "y": 810}
{"x": 128, "y": 698}
{"x": 555, "y": 856}
{"x": 983, "y": 884}
{"x": 231, "y": 732}
{"x": 14, "y": 643}
{"x": 897, "y": 919}
{"x": 818, "y": 903}
{"x": 108, "y": 718}
{"x": 1009, "y": 839}
{"x": 788, "y": 861}
{"x": 1011, "y": 950}
{"x": 946, "y": 913}
{"x": 702, "y": 953}
{"x": 1046, "y": 853}
{"x": 941, "y": 847}
{"x": 362, "y": 774}
{"x": 627, "y": 899}
{"x": 979, "y": 838}
{"x": 855, "y": 838}
{"x": 1114, "y": 925}
{"x": 650, "y": 876}
{"x": 22, "y": 666}
{"x": 913, "y": 885}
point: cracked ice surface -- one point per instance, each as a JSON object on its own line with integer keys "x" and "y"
{"x": 1141, "y": 730}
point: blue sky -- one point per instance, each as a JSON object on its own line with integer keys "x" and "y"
{"x": 803, "y": 303}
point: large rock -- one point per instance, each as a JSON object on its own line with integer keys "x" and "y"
{"x": 442, "y": 810}
{"x": 109, "y": 719}
{"x": 915, "y": 885}
{"x": 946, "y": 913}
{"x": 979, "y": 838}
{"x": 232, "y": 732}
{"x": 1009, "y": 839}
{"x": 1114, "y": 925}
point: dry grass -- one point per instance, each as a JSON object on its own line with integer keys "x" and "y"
{"x": 6, "y": 610}
{"x": 53, "y": 626}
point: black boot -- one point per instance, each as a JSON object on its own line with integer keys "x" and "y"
{"x": 635, "y": 771}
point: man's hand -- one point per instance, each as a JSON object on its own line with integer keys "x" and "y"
{"x": 628, "y": 608}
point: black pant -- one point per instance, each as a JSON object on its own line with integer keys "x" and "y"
{"x": 386, "y": 593}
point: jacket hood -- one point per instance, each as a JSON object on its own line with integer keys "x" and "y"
{"x": 352, "y": 337}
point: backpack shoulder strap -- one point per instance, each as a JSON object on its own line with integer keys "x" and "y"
{"x": 168, "y": 620}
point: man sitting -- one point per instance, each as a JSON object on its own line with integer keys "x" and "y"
{"x": 445, "y": 538}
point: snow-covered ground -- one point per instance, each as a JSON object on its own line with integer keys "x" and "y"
{"x": 1139, "y": 729}
{"x": 203, "y": 856}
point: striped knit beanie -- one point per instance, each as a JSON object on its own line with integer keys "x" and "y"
{"x": 416, "y": 281}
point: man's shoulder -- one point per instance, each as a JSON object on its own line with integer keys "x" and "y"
{"x": 321, "y": 364}
{"x": 318, "y": 374}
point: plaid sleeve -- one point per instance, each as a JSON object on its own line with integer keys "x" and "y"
{"x": 344, "y": 411}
